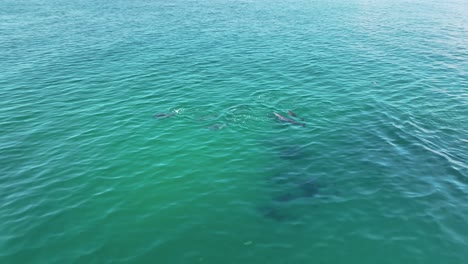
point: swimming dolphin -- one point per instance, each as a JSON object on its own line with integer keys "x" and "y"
{"x": 163, "y": 115}
{"x": 291, "y": 113}
{"x": 287, "y": 119}
{"x": 307, "y": 189}
{"x": 217, "y": 126}
{"x": 274, "y": 213}
{"x": 292, "y": 152}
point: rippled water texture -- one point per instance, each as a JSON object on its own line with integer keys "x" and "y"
{"x": 144, "y": 131}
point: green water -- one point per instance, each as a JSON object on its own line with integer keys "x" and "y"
{"x": 378, "y": 174}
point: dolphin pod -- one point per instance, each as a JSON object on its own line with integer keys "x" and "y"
{"x": 217, "y": 126}
{"x": 287, "y": 119}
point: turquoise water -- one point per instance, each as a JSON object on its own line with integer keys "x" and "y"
{"x": 143, "y": 131}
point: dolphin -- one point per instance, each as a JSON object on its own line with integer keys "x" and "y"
{"x": 287, "y": 197}
{"x": 292, "y": 152}
{"x": 163, "y": 115}
{"x": 274, "y": 213}
{"x": 287, "y": 119}
{"x": 291, "y": 113}
{"x": 217, "y": 126}
{"x": 306, "y": 189}
{"x": 309, "y": 188}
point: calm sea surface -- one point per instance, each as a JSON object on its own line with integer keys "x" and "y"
{"x": 144, "y": 131}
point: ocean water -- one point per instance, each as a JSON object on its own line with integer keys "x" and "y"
{"x": 144, "y": 131}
